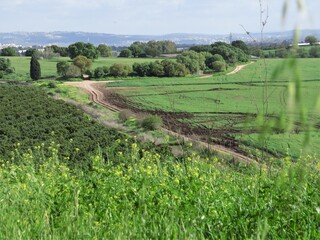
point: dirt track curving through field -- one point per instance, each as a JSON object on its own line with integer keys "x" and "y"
{"x": 94, "y": 93}
{"x": 239, "y": 68}
{"x": 93, "y": 89}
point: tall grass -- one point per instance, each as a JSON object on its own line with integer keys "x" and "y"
{"x": 143, "y": 195}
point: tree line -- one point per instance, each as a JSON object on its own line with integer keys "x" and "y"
{"x": 212, "y": 58}
{"x": 149, "y": 49}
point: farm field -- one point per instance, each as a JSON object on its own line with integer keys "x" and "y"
{"x": 64, "y": 176}
{"x": 226, "y": 106}
{"x": 29, "y": 118}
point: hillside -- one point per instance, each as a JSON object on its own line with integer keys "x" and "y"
{"x": 67, "y": 38}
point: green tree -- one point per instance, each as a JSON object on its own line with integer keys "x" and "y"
{"x": 314, "y": 52}
{"x": 230, "y": 54}
{"x": 168, "y": 47}
{"x": 98, "y": 72}
{"x": 35, "y": 69}
{"x": 156, "y": 69}
{"x": 62, "y": 51}
{"x": 310, "y": 39}
{"x": 126, "y": 53}
{"x": 30, "y": 52}
{"x": 82, "y": 62}
{"x": 141, "y": 69}
{"x": 104, "y": 50}
{"x": 120, "y": 70}
{"x": 49, "y": 53}
{"x": 241, "y": 45}
{"x": 9, "y": 52}
{"x": 192, "y": 60}
{"x": 219, "y": 66}
{"x": 73, "y": 71}
{"x": 201, "y": 48}
{"x": 174, "y": 69}
{"x": 84, "y": 49}
{"x": 225, "y": 50}
{"x": 62, "y": 68}
{"x": 282, "y": 53}
{"x": 137, "y": 49}
{"x": 302, "y": 53}
{"x": 212, "y": 59}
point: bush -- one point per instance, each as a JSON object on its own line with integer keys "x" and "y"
{"x": 106, "y": 70}
{"x": 4, "y": 64}
{"x": 151, "y": 122}
{"x": 124, "y": 115}
{"x": 120, "y": 70}
{"x": 141, "y": 69}
{"x": 314, "y": 52}
{"x": 98, "y": 72}
{"x": 51, "y": 85}
{"x": 1, "y": 74}
{"x": 73, "y": 71}
{"x": 62, "y": 68}
{"x": 8, "y": 52}
{"x": 174, "y": 69}
{"x": 126, "y": 53}
{"x": 10, "y": 70}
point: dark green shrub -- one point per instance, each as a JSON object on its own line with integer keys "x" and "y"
{"x": 106, "y": 70}
{"x": 98, "y": 72}
{"x": 51, "y": 85}
{"x": 151, "y": 122}
{"x": 4, "y": 63}
{"x": 62, "y": 68}
{"x": 10, "y": 70}
{"x": 120, "y": 70}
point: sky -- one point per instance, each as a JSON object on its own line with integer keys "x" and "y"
{"x": 155, "y": 17}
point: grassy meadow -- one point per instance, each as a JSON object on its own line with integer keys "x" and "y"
{"x": 142, "y": 195}
{"x": 232, "y": 102}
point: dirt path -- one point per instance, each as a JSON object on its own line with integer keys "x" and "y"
{"x": 239, "y": 68}
{"x": 206, "y": 76}
{"x": 92, "y": 88}
{"x": 95, "y": 95}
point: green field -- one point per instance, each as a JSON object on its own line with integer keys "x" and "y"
{"x": 48, "y": 67}
{"x": 229, "y": 104}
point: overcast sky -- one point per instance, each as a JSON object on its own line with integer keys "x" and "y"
{"x": 153, "y": 16}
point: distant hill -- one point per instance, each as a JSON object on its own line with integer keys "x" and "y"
{"x": 66, "y": 38}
